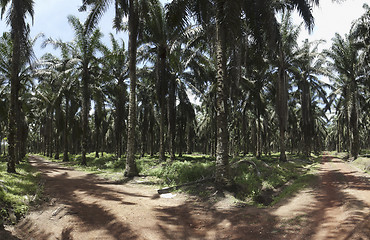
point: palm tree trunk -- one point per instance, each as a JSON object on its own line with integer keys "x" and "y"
{"x": 259, "y": 136}
{"x": 85, "y": 113}
{"x": 98, "y": 119}
{"x": 171, "y": 117}
{"x": 306, "y": 118}
{"x": 162, "y": 88}
{"x": 189, "y": 138}
{"x": 151, "y": 135}
{"x": 51, "y": 148}
{"x": 162, "y": 156}
{"x": 65, "y": 133}
{"x": 14, "y": 91}
{"x": 348, "y": 135}
{"x": 339, "y": 137}
{"x": 222, "y": 156}
{"x": 97, "y": 133}
{"x": 282, "y": 107}
{"x": 144, "y": 132}
{"x": 57, "y": 138}
{"x": 119, "y": 124}
{"x": 355, "y": 148}
{"x": 181, "y": 136}
{"x": 131, "y": 169}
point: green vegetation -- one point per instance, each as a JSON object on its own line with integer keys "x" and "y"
{"x": 260, "y": 90}
{"x": 362, "y": 162}
{"x": 17, "y": 191}
{"x": 278, "y": 179}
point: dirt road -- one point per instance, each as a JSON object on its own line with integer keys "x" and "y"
{"x": 83, "y": 206}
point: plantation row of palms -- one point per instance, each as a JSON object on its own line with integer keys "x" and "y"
{"x": 260, "y": 89}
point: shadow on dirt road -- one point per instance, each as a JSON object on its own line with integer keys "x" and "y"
{"x": 82, "y": 206}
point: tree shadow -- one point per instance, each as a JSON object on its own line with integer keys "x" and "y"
{"x": 196, "y": 221}
{"x": 71, "y": 191}
{"x": 6, "y": 235}
{"x": 338, "y": 211}
{"x": 201, "y": 220}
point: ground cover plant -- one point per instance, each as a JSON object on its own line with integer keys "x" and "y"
{"x": 262, "y": 181}
{"x": 362, "y": 162}
{"x": 18, "y": 191}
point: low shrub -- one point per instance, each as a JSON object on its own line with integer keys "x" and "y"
{"x": 17, "y": 191}
{"x": 179, "y": 172}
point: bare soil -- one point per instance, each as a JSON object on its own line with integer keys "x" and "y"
{"x": 83, "y": 206}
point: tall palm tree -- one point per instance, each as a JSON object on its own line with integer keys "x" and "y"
{"x": 345, "y": 61}
{"x": 227, "y": 15}
{"x": 115, "y": 69}
{"x": 16, "y": 18}
{"x": 360, "y": 32}
{"x": 65, "y": 68}
{"x": 87, "y": 43}
{"x": 124, "y": 8}
{"x": 307, "y": 67}
{"x": 161, "y": 41}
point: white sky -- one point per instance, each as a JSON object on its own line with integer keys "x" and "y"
{"x": 51, "y": 19}
{"x": 331, "y": 18}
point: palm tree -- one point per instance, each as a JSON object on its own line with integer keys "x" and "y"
{"x": 163, "y": 41}
{"x": 225, "y": 14}
{"x": 115, "y": 70}
{"x": 5, "y": 69}
{"x": 124, "y": 8}
{"x": 17, "y": 13}
{"x": 345, "y": 61}
{"x": 360, "y": 32}
{"x": 307, "y": 67}
{"x": 87, "y": 42}
{"x": 65, "y": 68}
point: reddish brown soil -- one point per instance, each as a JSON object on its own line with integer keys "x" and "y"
{"x": 82, "y": 206}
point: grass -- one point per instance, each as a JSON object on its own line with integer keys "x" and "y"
{"x": 278, "y": 180}
{"x": 362, "y": 162}
{"x": 17, "y": 191}
{"x": 248, "y": 186}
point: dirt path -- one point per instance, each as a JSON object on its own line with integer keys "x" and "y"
{"x": 338, "y": 208}
{"x": 83, "y": 206}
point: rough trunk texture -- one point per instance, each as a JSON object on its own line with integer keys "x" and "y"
{"x": 65, "y": 133}
{"x": 355, "y": 147}
{"x": 131, "y": 169}
{"x": 85, "y": 113}
{"x": 222, "y": 157}
{"x": 162, "y": 88}
{"x": 306, "y": 118}
{"x": 171, "y": 117}
{"x": 144, "y": 130}
{"x": 282, "y": 107}
{"x": 188, "y": 136}
{"x": 162, "y": 156}
{"x": 14, "y": 91}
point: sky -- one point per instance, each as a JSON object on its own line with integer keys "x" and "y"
{"x": 331, "y": 18}
{"x": 50, "y": 18}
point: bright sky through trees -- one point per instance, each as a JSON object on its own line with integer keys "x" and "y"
{"x": 331, "y": 18}
{"x": 51, "y": 19}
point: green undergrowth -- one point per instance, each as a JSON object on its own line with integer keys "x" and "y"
{"x": 181, "y": 171}
{"x": 17, "y": 191}
{"x": 275, "y": 179}
{"x": 362, "y": 161}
